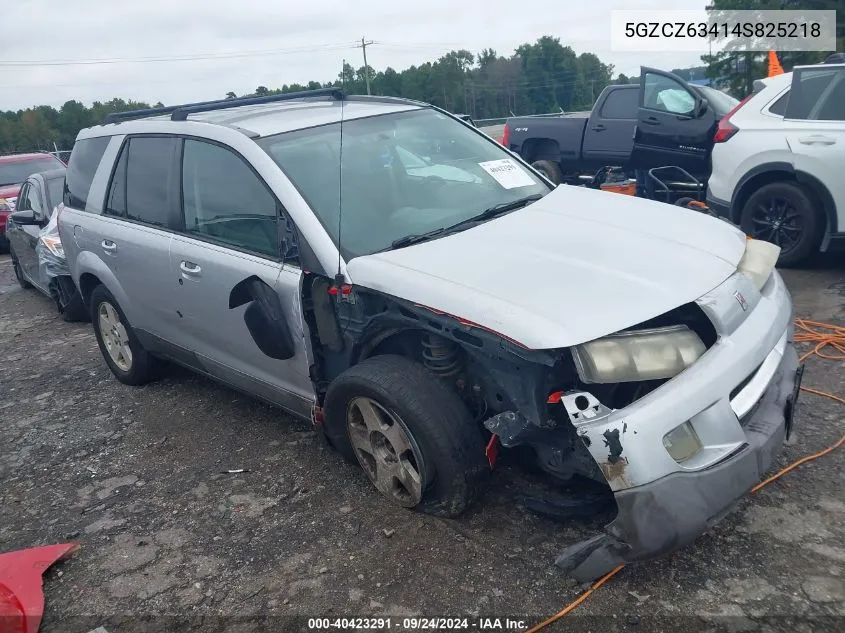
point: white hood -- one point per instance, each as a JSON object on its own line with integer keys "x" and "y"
{"x": 574, "y": 266}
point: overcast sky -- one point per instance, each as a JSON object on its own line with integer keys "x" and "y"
{"x": 274, "y": 42}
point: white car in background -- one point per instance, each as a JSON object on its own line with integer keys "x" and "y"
{"x": 779, "y": 162}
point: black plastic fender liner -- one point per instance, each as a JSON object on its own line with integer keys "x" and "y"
{"x": 264, "y": 317}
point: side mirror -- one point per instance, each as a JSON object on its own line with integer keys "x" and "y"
{"x": 25, "y": 217}
{"x": 700, "y": 107}
{"x": 264, "y": 317}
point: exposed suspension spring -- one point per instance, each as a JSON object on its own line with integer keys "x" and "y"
{"x": 440, "y": 356}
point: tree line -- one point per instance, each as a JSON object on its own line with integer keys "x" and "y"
{"x": 544, "y": 76}
{"x": 539, "y": 77}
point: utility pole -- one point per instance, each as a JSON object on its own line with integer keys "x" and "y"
{"x": 363, "y": 47}
{"x": 343, "y": 75}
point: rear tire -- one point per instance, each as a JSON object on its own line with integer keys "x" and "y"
{"x": 549, "y": 169}
{"x": 130, "y": 363}
{"x": 784, "y": 213}
{"x": 69, "y": 300}
{"x": 22, "y": 282}
{"x": 441, "y": 443}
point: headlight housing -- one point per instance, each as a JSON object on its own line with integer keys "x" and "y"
{"x": 638, "y": 355}
{"x": 758, "y": 261}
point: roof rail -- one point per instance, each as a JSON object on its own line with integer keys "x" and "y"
{"x": 181, "y": 112}
{"x": 116, "y": 117}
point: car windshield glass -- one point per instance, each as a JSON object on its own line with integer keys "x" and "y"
{"x": 55, "y": 191}
{"x": 15, "y": 173}
{"x": 722, "y": 103}
{"x": 403, "y": 174}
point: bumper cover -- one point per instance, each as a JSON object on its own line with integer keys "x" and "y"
{"x": 659, "y": 517}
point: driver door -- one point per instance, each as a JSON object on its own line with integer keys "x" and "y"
{"x": 25, "y": 237}
{"x": 231, "y": 235}
{"x": 675, "y": 126}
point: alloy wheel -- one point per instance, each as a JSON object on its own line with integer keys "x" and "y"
{"x": 115, "y": 337}
{"x": 778, "y": 221}
{"x": 386, "y": 451}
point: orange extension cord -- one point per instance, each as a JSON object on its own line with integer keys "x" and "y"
{"x": 823, "y": 335}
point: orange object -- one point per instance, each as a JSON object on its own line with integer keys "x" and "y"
{"x": 625, "y": 188}
{"x": 774, "y": 65}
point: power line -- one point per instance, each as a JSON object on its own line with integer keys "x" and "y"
{"x": 176, "y": 58}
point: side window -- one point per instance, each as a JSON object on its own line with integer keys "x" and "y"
{"x": 23, "y": 198}
{"x": 817, "y": 94}
{"x": 83, "y": 163}
{"x": 33, "y": 201}
{"x": 149, "y": 179}
{"x": 779, "y": 106}
{"x": 620, "y": 104}
{"x": 667, "y": 95}
{"x": 116, "y": 200}
{"x": 225, "y": 201}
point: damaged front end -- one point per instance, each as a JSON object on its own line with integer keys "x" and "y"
{"x": 682, "y": 451}
{"x": 678, "y": 416}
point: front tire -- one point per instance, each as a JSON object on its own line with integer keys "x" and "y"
{"x": 412, "y": 435}
{"x": 16, "y": 266}
{"x": 783, "y": 213}
{"x": 130, "y": 363}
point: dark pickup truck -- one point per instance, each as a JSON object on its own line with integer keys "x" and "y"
{"x": 661, "y": 121}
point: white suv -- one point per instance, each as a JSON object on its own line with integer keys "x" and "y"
{"x": 779, "y": 160}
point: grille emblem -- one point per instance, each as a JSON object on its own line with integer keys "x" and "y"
{"x": 741, "y": 301}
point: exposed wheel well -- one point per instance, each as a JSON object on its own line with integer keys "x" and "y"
{"x": 540, "y": 149}
{"x": 811, "y": 185}
{"x": 87, "y": 283}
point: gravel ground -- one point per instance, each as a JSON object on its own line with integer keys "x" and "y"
{"x": 135, "y": 476}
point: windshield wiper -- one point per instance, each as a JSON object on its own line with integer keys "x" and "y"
{"x": 487, "y": 214}
{"x": 494, "y": 211}
{"x": 415, "y": 238}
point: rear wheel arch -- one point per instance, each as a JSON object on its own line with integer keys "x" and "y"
{"x": 87, "y": 283}
{"x": 784, "y": 172}
{"x": 534, "y": 149}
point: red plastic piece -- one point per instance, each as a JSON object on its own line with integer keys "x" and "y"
{"x": 555, "y": 397}
{"x": 492, "y": 450}
{"x": 21, "y": 597}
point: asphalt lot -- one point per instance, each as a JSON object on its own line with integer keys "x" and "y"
{"x": 134, "y": 475}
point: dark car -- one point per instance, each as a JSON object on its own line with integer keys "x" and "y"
{"x": 38, "y": 257}
{"x": 14, "y": 169}
{"x": 661, "y": 121}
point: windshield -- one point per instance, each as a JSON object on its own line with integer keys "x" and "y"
{"x": 404, "y": 174}
{"x": 55, "y": 191}
{"x": 722, "y": 103}
{"x": 16, "y": 173}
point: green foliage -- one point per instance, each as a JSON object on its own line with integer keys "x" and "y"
{"x": 545, "y": 76}
{"x": 736, "y": 71}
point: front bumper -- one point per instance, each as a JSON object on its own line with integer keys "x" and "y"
{"x": 739, "y": 399}
{"x": 660, "y": 517}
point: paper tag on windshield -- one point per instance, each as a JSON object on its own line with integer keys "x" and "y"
{"x": 507, "y": 173}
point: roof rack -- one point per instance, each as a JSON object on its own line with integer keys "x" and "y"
{"x": 181, "y": 112}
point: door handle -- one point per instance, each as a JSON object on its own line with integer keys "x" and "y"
{"x": 817, "y": 139}
{"x": 599, "y": 128}
{"x": 190, "y": 268}
{"x": 652, "y": 120}
{"x": 109, "y": 246}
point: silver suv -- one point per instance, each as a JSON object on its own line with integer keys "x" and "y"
{"x": 423, "y": 296}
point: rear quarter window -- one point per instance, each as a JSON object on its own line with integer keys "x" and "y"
{"x": 621, "y": 104}
{"x": 84, "y": 160}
